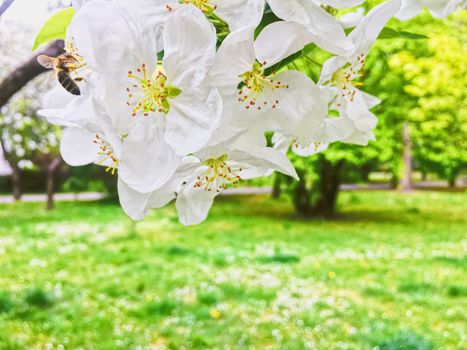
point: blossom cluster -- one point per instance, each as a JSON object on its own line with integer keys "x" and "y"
{"x": 177, "y": 97}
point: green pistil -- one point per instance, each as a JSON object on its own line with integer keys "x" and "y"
{"x": 152, "y": 93}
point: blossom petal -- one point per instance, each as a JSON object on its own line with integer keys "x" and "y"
{"x": 298, "y": 98}
{"x": 147, "y": 162}
{"x": 409, "y": 9}
{"x": 330, "y": 67}
{"x": 292, "y": 38}
{"x": 259, "y": 161}
{"x": 189, "y": 47}
{"x": 235, "y": 56}
{"x": 240, "y": 14}
{"x": 193, "y": 204}
{"x": 352, "y": 19}
{"x": 327, "y": 31}
{"x": 191, "y": 121}
{"x": 77, "y": 147}
{"x": 111, "y": 40}
{"x": 290, "y": 10}
{"x": 335, "y": 129}
{"x": 309, "y": 150}
{"x": 342, "y": 4}
{"x": 136, "y": 204}
{"x": 366, "y": 33}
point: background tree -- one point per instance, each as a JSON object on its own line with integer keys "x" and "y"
{"x": 26, "y": 139}
{"x": 410, "y": 77}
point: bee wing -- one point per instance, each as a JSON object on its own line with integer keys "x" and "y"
{"x": 68, "y": 83}
{"x": 46, "y": 61}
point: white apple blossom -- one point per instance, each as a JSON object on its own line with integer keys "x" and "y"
{"x": 315, "y": 129}
{"x": 341, "y": 72}
{"x": 168, "y": 96}
{"x": 227, "y": 15}
{"x": 352, "y": 19}
{"x": 203, "y": 176}
{"x": 241, "y": 68}
{"x": 438, "y": 8}
{"x": 178, "y": 96}
{"x": 341, "y": 4}
{"x": 320, "y": 25}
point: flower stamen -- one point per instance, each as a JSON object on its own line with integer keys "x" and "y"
{"x": 344, "y": 78}
{"x": 219, "y": 175}
{"x": 256, "y": 86}
{"x": 107, "y": 153}
{"x": 205, "y": 6}
{"x": 150, "y": 94}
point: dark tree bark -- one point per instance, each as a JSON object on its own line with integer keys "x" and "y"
{"x": 319, "y": 199}
{"x": 23, "y": 74}
{"x": 5, "y": 5}
{"x": 406, "y": 179}
{"x": 15, "y": 174}
{"x": 301, "y": 195}
{"x": 326, "y": 189}
{"x": 276, "y": 188}
{"x": 452, "y": 177}
{"x": 52, "y": 170}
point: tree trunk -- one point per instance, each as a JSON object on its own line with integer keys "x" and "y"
{"x": 276, "y": 188}
{"x": 15, "y": 173}
{"x": 406, "y": 179}
{"x": 23, "y": 74}
{"x": 326, "y": 189}
{"x": 321, "y": 199}
{"x": 301, "y": 196}
{"x": 452, "y": 177}
{"x": 16, "y": 182}
{"x": 51, "y": 173}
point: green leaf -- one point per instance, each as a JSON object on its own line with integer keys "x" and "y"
{"x": 389, "y": 33}
{"x": 55, "y": 27}
{"x": 276, "y": 67}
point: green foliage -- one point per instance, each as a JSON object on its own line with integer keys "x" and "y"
{"x": 423, "y": 83}
{"x": 420, "y": 82}
{"x": 268, "y": 281}
{"x": 27, "y": 136}
{"x": 406, "y": 341}
{"x": 55, "y": 27}
{"x": 39, "y": 297}
{"x": 390, "y": 33}
{"x": 6, "y": 304}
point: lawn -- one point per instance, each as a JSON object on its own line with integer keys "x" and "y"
{"x": 389, "y": 274}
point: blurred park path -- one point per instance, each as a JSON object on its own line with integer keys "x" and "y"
{"x": 81, "y": 197}
{"x": 94, "y": 196}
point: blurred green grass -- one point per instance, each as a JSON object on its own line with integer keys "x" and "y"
{"x": 388, "y": 274}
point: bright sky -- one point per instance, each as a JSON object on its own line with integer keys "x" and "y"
{"x": 32, "y": 13}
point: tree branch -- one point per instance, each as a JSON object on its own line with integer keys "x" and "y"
{"x": 23, "y": 74}
{"x": 5, "y": 5}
